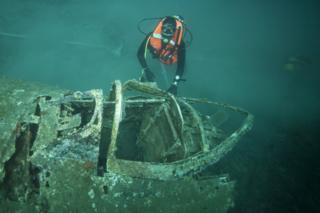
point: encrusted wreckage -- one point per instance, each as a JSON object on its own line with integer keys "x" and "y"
{"x": 139, "y": 149}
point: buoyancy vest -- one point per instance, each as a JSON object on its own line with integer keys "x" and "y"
{"x": 167, "y": 51}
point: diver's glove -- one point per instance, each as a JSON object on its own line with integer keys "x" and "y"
{"x": 174, "y": 86}
{"x": 173, "y": 89}
{"x": 147, "y": 75}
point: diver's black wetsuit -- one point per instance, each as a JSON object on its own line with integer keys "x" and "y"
{"x": 181, "y": 55}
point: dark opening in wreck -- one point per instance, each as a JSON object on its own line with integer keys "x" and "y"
{"x": 138, "y": 132}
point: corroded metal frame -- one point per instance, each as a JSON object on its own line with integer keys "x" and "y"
{"x": 176, "y": 169}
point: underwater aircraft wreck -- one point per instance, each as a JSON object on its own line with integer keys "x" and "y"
{"x": 136, "y": 149}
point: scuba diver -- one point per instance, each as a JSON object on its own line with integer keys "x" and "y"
{"x": 166, "y": 44}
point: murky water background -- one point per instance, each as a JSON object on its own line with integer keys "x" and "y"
{"x": 262, "y": 56}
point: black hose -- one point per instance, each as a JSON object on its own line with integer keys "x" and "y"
{"x": 188, "y": 43}
{"x": 142, "y": 20}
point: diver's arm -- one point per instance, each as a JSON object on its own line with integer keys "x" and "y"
{"x": 147, "y": 75}
{"x": 181, "y": 62}
{"x": 141, "y": 53}
{"x": 180, "y": 69}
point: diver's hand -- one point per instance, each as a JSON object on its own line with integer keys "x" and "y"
{"x": 173, "y": 89}
{"x": 148, "y": 75}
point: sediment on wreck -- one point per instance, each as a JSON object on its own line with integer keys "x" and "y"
{"x": 83, "y": 152}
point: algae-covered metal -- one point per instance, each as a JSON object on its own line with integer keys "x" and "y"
{"x": 137, "y": 149}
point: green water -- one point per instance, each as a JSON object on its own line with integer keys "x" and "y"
{"x": 262, "y": 56}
